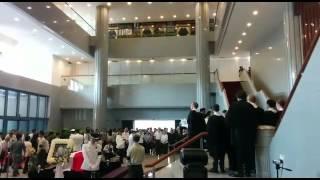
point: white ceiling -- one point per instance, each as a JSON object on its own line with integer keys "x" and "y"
{"x": 119, "y": 10}
{"x": 270, "y": 15}
{"x": 16, "y": 26}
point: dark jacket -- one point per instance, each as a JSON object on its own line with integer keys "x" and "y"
{"x": 270, "y": 118}
{"x": 216, "y": 131}
{"x": 196, "y": 123}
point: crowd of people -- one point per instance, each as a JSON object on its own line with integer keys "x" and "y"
{"x": 233, "y": 132}
{"x": 30, "y": 151}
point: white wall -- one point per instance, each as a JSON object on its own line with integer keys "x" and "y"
{"x": 297, "y": 137}
{"x": 60, "y": 68}
{"x": 270, "y": 73}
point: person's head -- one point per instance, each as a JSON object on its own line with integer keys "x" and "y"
{"x": 216, "y": 108}
{"x": 95, "y": 137}
{"x": 271, "y": 103}
{"x": 136, "y": 138}
{"x": 57, "y": 135}
{"x": 125, "y": 129}
{"x": 34, "y": 131}
{"x": 72, "y": 131}
{"x": 194, "y": 106}
{"x": 41, "y": 134}
{"x": 18, "y": 136}
{"x": 88, "y": 130}
{"x": 203, "y": 110}
{"x": 27, "y": 138}
{"x": 252, "y": 99}
{"x": 241, "y": 95}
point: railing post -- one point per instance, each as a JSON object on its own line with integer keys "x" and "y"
{"x": 201, "y": 143}
{"x": 153, "y": 172}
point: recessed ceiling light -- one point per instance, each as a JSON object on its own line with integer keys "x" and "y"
{"x": 136, "y": 18}
{"x": 123, "y": 19}
{"x": 257, "y": 53}
{"x": 67, "y": 59}
{"x": 249, "y": 24}
{"x": 127, "y": 61}
{"x": 316, "y": 31}
{"x": 278, "y": 59}
{"x": 129, "y": 3}
{"x": 139, "y": 61}
{"x": 68, "y": 20}
{"x": 55, "y": 22}
{"x": 236, "y": 58}
{"x": 78, "y": 62}
{"x": 69, "y": 5}
{"x": 187, "y": 15}
{"x": 82, "y": 58}
{"x": 161, "y": 17}
{"x": 50, "y": 39}
{"x": 48, "y": 7}
{"x": 174, "y": 16}
{"x": 214, "y": 14}
{"x": 171, "y": 60}
{"x": 89, "y": 5}
{"x": 149, "y": 2}
{"x": 110, "y": 19}
{"x": 183, "y": 59}
{"x": 149, "y": 17}
{"x": 233, "y": 53}
{"x": 269, "y": 47}
{"x": 108, "y": 3}
{"x": 151, "y": 60}
{"x": 255, "y": 12}
{"x": 16, "y": 19}
{"x": 29, "y": 7}
{"x": 109, "y": 62}
{"x": 240, "y": 41}
{"x": 244, "y": 34}
{"x": 152, "y": 25}
{"x": 236, "y": 48}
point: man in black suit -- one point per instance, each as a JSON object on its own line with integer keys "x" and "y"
{"x": 241, "y": 117}
{"x": 196, "y": 123}
{"x": 216, "y": 139}
{"x": 258, "y": 115}
{"x": 271, "y": 115}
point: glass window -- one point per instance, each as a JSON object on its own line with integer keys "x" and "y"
{"x": 32, "y": 124}
{"x": 23, "y": 126}
{"x": 23, "y": 103}
{"x": 12, "y": 125}
{"x": 1, "y": 125}
{"x": 2, "y": 101}
{"x": 12, "y": 103}
{"x": 33, "y": 106}
{"x": 40, "y": 125}
{"x": 42, "y": 107}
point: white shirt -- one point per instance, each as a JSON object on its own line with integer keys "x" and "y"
{"x": 272, "y": 110}
{"x": 141, "y": 139}
{"x": 86, "y": 138}
{"x": 125, "y": 135}
{"x": 157, "y": 135}
{"x": 120, "y": 142}
{"x": 77, "y": 140}
{"x": 164, "y": 138}
{"x": 130, "y": 143}
{"x": 91, "y": 159}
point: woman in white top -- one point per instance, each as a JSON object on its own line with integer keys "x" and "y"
{"x": 28, "y": 153}
{"x": 91, "y": 159}
{"x": 120, "y": 145}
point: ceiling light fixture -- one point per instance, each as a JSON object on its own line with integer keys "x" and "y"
{"x": 139, "y": 61}
{"x": 29, "y": 7}
{"x": 183, "y": 60}
{"x": 149, "y": 2}
{"x": 278, "y": 59}
{"x": 269, "y": 47}
{"x": 171, "y": 60}
{"x": 127, "y": 61}
{"x": 236, "y": 48}
{"x": 16, "y": 19}
{"x": 161, "y": 17}
{"x": 34, "y": 30}
{"x": 89, "y": 5}
{"x": 174, "y": 16}
{"x": 48, "y": 7}
{"x": 187, "y": 15}
{"x": 149, "y": 17}
{"x": 78, "y": 62}
{"x": 244, "y": 34}
{"x": 151, "y": 60}
{"x": 236, "y": 58}
{"x": 67, "y": 59}
{"x": 234, "y": 53}
{"x": 108, "y": 3}
{"x": 50, "y": 39}
{"x": 129, "y": 3}
{"x": 257, "y": 53}
{"x": 110, "y": 19}
{"x": 68, "y": 20}
{"x": 55, "y": 22}
{"x": 249, "y": 24}
{"x": 109, "y": 62}
{"x": 136, "y": 18}
{"x": 123, "y": 19}
{"x": 214, "y": 14}
{"x": 240, "y": 41}
{"x": 255, "y": 12}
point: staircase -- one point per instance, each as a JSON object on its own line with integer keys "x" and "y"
{"x": 232, "y": 88}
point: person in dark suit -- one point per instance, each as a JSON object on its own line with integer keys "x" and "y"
{"x": 216, "y": 139}
{"x": 241, "y": 117}
{"x": 271, "y": 115}
{"x": 196, "y": 123}
{"x": 258, "y": 115}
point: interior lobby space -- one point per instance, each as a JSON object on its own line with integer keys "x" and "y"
{"x": 159, "y": 89}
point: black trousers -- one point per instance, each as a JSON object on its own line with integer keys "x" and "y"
{"x": 135, "y": 171}
{"x": 218, "y": 154}
{"x": 242, "y": 141}
{"x": 230, "y": 151}
{"x": 158, "y": 147}
{"x": 164, "y": 148}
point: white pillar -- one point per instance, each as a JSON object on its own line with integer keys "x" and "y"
{"x": 202, "y": 54}
{"x": 101, "y": 65}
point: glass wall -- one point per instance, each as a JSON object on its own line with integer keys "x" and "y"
{"x": 22, "y": 111}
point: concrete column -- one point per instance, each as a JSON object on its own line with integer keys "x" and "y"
{"x": 202, "y": 54}
{"x": 101, "y": 65}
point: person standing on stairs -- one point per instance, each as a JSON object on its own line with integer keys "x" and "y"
{"x": 196, "y": 123}
{"x": 216, "y": 139}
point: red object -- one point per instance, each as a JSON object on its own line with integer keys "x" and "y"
{"x": 77, "y": 162}
{"x": 232, "y": 87}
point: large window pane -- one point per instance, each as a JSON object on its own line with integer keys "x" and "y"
{"x": 32, "y": 124}
{"x": 23, "y": 105}
{"x": 40, "y": 125}
{"x": 12, "y": 125}
{"x": 12, "y": 103}
{"x": 33, "y": 106}
{"x": 23, "y": 126}
{"x": 42, "y": 107}
{"x": 1, "y": 125}
{"x": 2, "y": 100}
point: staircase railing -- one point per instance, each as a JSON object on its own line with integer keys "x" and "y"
{"x": 175, "y": 150}
{"x": 221, "y": 89}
